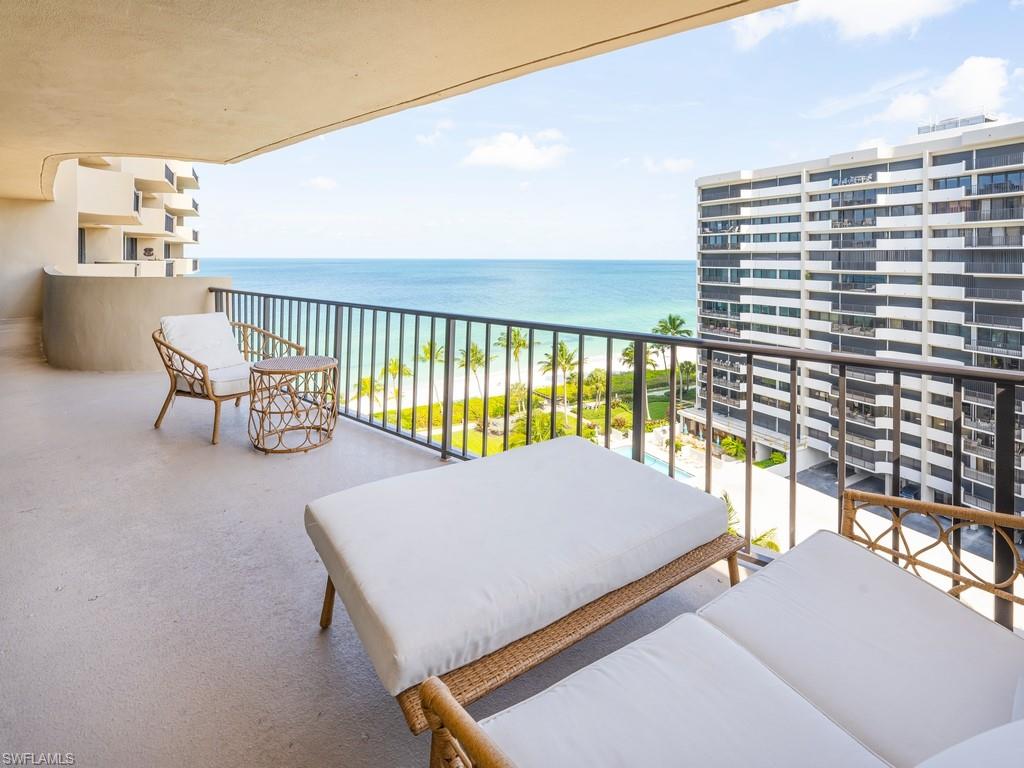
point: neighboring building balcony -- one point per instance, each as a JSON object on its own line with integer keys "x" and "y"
{"x": 995, "y": 321}
{"x": 1000, "y": 214}
{"x": 106, "y": 197}
{"x": 980, "y": 449}
{"x": 719, "y": 329}
{"x": 186, "y": 235}
{"x": 840, "y": 285}
{"x": 185, "y": 175}
{"x": 983, "y": 240}
{"x": 1008, "y": 350}
{"x": 181, "y": 204}
{"x": 1003, "y": 160}
{"x": 151, "y": 174}
{"x": 153, "y": 222}
{"x": 853, "y": 330}
{"x": 992, "y": 294}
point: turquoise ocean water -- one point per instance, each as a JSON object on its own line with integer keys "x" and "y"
{"x": 620, "y": 295}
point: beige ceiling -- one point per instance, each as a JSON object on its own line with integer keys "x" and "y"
{"x": 222, "y": 80}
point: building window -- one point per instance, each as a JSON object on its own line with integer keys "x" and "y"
{"x": 168, "y": 222}
{"x": 131, "y": 249}
{"x": 167, "y": 250}
{"x": 81, "y": 245}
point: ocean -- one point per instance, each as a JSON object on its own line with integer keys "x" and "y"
{"x": 621, "y": 295}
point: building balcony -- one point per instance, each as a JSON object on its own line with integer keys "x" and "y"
{"x": 106, "y": 198}
{"x": 181, "y": 204}
{"x": 185, "y": 175}
{"x": 153, "y": 222}
{"x": 151, "y": 174}
{"x": 186, "y": 235}
{"x": 853, "y": 330}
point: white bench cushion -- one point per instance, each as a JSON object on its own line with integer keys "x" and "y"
{"x": 906, "y": 669}
{"x": 439, "y": 568}
{"x": 205, "y": 337}
{"x": 684, "y": 695}
{"x": 997, "y": 747}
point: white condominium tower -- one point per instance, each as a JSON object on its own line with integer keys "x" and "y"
{"x": 906, "y": 252}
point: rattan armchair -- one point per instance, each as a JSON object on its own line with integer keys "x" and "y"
{"x": 190, "y": 377}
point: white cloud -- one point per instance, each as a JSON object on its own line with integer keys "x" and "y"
{"x": 979, "y": 84}
{"x": 321, "y": 182}
{"x": 668, "y": 164}
{"x": 545, "y": 149}
{"x": 853, "y": 20}
{"x": 440, "y": 128}
{"x": 834, "y": 105}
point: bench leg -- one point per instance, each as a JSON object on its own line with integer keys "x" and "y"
{"x": 734, "y": 570}
{"x": 167, "y": 404}
{"x": 328, "y": 610}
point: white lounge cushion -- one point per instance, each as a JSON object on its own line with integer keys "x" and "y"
{"x": 205, "y": 337}
{"x": 441, "y": 567}
{"x": 996, "y": 747}
{"x": 684, "y": 695}
{"x": 906, "y": 669}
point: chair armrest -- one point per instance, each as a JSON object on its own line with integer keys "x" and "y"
{"x": 179, "y": 364}
{"x": 944, "y": 524}
{"x": 260, "y": 343}
{"x": 462, "y": 743}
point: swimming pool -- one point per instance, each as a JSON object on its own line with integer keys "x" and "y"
{"x": 653, "y": 461}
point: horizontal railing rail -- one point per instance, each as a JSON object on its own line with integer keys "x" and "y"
{"x": 469, "y": 385}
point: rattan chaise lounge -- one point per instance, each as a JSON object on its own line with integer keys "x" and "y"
{"x": 204, "y": 360}
{"x": 479, "y": 571}
{"x": 829, "y": 656}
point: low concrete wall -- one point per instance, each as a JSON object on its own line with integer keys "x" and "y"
{"x": 93, "y": 323}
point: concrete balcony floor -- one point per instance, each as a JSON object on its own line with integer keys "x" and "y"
{"x": 159, "y": 597}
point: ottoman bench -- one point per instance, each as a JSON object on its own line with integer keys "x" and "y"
{"x": 477, "y": 572}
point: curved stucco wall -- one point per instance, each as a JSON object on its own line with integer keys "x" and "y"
{"x": 93, "y": 323}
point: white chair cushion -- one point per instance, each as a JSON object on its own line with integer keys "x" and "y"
{"x": 233, "y": 380}
{"x": 205, "y": 337}
{"x": 684, "y": 695}
{"x": 439, "y": 568}
{"x": 996, "y": 747}
{"x": 906, "y": 669}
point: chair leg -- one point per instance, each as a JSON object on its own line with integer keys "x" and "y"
{"x": 163, "y": 410}
{"x": 216, "y": 421}
{"x": 328, "y": 610}
{"x": 238, "y": 401}
{"x": 734, "y": 570}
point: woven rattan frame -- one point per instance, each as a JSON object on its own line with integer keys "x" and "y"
{"x": 456, "y": 740}
{"x": 293, "y": 403}
{"x": 946, "y": 519}
{"x": 254, "y": 343}
{"x": 478, "y": 678}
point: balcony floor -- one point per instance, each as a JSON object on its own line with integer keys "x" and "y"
{"x": 160, "y": 597}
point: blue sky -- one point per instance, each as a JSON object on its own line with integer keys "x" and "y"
{"x": 597, "y": 159}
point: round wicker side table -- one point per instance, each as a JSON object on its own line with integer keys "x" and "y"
{"x": 293, "y": 404}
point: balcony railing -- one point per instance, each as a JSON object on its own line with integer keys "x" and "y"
{"x": 168, "y": 222}
{"x": 169, "y": 175}
{"x": 1001, "y": 188}
{"x": 995, "y": 161}
{"x": 1002, "y": 214}
{"x": 448, "y": 382}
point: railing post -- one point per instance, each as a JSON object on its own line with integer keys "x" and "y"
{"x": 1003, "y": 558}
{"x": 218, "y": 299}
{"x": 639, "y": 399}
{"x": 449, "y": 388}
{"x": 266, "y": 314}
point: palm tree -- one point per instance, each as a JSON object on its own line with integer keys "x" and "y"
{"x": 562, "y": 361}
{"x": 396, "y": 371}
{"x": 432, "y": 354}
{"x": 476, "y": 360}
{"x": 369, "y": 388}
{"x": 670, "y": 325}
{"x": 687, "y": 375}
{"x": 627, "y": 359}
{"x": 519, "y": 342}
{"x": 765, "y": 540}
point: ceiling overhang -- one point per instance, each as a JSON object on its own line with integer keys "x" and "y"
{"x": 222, "y": 80}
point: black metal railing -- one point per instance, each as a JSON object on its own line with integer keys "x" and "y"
{"x": 469, "y": 386}
{"x": 168, "y": 175}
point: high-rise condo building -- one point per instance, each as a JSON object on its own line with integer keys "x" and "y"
{"x": 910, "y": 252}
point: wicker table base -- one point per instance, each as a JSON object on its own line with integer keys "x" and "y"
{"x": 293, "y": 404}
